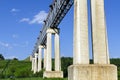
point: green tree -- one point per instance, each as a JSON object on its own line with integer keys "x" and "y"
{"x": 65, "y": 63}
{"x": 15, "y": 59}
{"x": 1, "y": 57}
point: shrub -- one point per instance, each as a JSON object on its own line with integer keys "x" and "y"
{"x": 2, "y": 76}
{"x": 39, "y": 74}
{"x": 22, "y": 73}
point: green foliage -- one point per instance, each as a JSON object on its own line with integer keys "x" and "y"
{"x": 53, "y": 64}
{"x": 39, "y": 74}
{"x": 27, "y": 59}
{"x": 1, "y": 57}
{"x": 22, "y": 69}
{"x": 119, "y": 73}
{"x": 15, "y": 59}
{"x": 37, "y": 78}
{"x": 65, "y": 62}
{"x": 25, "y": 72}
{"x": 117, "y": 63}
{"x": 1, "y": 76}
{"x": 16, "y": 68}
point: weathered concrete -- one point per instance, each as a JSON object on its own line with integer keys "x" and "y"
{"x": 48, "y": 72}
{"x": 33, "y": 59}
{"x": 40, "y": 58}
{"x": 45, "y": 53}
{"x": 92, "y": 72}
{"x": 57, "y": 53}
{"x": 80, "y": 45}
{"x": 35, "y": 63}
{"x": 52, "y": 30}
{"x": 53, "y": 74}
{"x": 81, "y": 69}
{"x": 99, "y": 34}
{"x": 49, "y": 51}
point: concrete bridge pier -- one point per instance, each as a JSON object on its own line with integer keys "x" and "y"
{"x": 81, "y": 69}
{"x": 45, "y": 53}
{"x": 40, "y": 58}
{"x": 77, "y": 71}
{"x": 35, "y": 63}
{"x": 57, "y": 53}
{"x": 33, "y": 59}
{"x": 48, "y": 72}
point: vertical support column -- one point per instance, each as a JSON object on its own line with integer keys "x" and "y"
{"x": 30, "y": 57}
{"x": 45, "y": 53}
{"x": 80, "y": 45}
{"x": 35, "y": 63}
{"x": 32, "y": 64}
{"x": 49, "y": 73}
{"x": 81, "y": 69}
{"x": 99, "y": 33}
{"x": 49, "y": 51}
{"x": 40, "y": 58}
{"x": 57, "y": 52}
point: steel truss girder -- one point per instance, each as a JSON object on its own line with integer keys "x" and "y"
{"x": 57, "y": 12}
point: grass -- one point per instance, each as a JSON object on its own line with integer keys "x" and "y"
{"x": 35, "y": 79}
{"x": 22, "y": 69}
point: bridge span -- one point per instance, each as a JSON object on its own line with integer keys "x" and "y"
{"x": 58, "y": 10}
{"x": 101, "y": 69}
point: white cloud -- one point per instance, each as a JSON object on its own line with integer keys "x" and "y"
{"x": 14, "y": 10}
{"x": 25, "y": 20}
{"x": 5, "y": 45}
{"x": 37, "y": 19}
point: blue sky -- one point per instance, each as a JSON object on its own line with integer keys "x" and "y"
{"x": 21, "y": 22}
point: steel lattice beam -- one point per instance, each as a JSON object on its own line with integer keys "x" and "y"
{"x": 57, "y": 12}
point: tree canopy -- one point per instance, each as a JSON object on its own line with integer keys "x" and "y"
{"x": 1, "y": 57}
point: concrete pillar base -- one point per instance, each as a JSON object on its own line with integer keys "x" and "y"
{"x": 92, "y": 72}
{"x": 53, "y": 74}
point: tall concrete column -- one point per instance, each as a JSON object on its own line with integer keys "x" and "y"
{"x": 80, "y": 45}
{"x": 57, "y": 53}
{"x": 32, "y": 64}
{"x": 45, "y": 53}
{"x": 40, "y": 58}
{"x": 49, "y": 73}
{"x": 35, "y": 63}
{"x": 81, "y": 69}
{"x": 99, "y": 33}
{"x": 49, "y": 51}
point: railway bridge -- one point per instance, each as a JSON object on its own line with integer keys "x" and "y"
{"x": 81, "y": 69}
